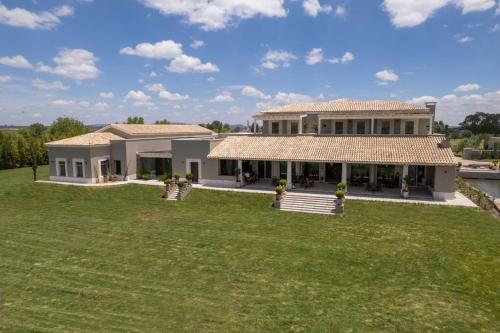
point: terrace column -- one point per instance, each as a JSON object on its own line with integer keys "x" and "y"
{"x": 319, "y": 125}
{"x": 240, "y": 166}
{"x": 254, "y": 126}
{"x": 431, "y": 124}
{"x": 405, "y": 173}
{"x": 373, "y": 176}
{"x": 417, "y": 126}
{"x": 372, "y": 128}
{"x": 344, "y": 173}
{"x": 289, "y": 174}
{"x": 300, "y": 125}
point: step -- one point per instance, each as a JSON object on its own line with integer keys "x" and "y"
{"x": 306, "y": 211}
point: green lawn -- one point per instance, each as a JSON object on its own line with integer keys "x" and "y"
{"x": 122, "y": 260}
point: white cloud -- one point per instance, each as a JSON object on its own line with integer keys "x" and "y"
{"x": 277, "y": 58}
{"x": 138, "y": 98}
{"x": 41, "y": 84}
{"x": 172, "y": 96}
{"x": 155, "y": 87}
{"x": 225, "y": 96}
{"x": 348, "y": 56}
{"x": 215, "y": 15}
{"x": 497, "y": 12}
{"x": 101, "y": 106}
{"x": 496, "y": 27}
{"x": 22, "y": 18}
{"x": 452, "y": 109}
{"x": 166, "y": 49}
{"x": 340, "y": 11}
{"x": 106, "y": 95}
{"x": 313, "y": 7}
{"x": 17, "y": 61}
{"x": 290, "y": 98}
{"x": 467, "y": 87}
{"x": 234, "y": 110}
{"x": 197, "y": 44}
{"x": 153, "y": 74}
{"x": 314, "y": 56}
{"x": 254, "y": 92}
{"x": 77, "y": 64}
{"x": 211, "y": 79}
{"x": 5, "y": 78}
{"x": 186, "y": 64}
{"x": 84, "y": 104}
{"x": 385, "y": 76}
{"x": 63, "y": 103}
{"x": 463, "y": 39}
{"x": 410, "y": 13}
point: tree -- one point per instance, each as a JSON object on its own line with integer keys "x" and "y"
{"x": 162, "y": 122}
{"x": 65, "y": 127}
{"x": 135, "y": 120}
{"x": 36, "y": 136}
{"x": 481, "y": 122}
{"x": 217, "y": 126}
{"x": 440, "y": 127}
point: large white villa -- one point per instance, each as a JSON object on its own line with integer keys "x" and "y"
{"x": 370, "y": 145}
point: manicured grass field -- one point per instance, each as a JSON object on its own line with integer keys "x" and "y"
{"x": 123, "y": 260}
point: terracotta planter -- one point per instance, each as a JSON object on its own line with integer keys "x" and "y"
{"x": 405, "y": 194}
{"x": 238, "y": 184}
{"x": 279, "y": 196}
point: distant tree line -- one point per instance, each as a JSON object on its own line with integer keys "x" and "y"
{"x": 26, "y": 147}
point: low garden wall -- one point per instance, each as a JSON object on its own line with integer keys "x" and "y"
{"x": 479, "y": 197}
{"x": 479, "y": 154}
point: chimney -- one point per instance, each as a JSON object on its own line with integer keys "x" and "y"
{"x": 431, "y": 106}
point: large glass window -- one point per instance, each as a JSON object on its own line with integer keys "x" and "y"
{"x": 227, "y": 167}
{"x": 360, "y": 174}
{"x": 104, "y": 167}
{"x": 339, "y": 127}
{"x": 294, "y": 127}
{"x": 360, "y": 127}
{"x": 283, "y": 169}
{"x": 61, "y": 167}
{"x": 311, "y": 170}
{"x": 386, "y": 127}
{"x": 118, "y": 167}
{"x": 275, "y": 128}
{"x": 409, "y": 127}
{"x": 79, "y": 169}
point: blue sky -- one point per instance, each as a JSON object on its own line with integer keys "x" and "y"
{"x": 195, "y": 61}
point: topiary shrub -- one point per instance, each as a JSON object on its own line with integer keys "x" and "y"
{"x": 181, "y": 184}
{"x": 163, "y": 178}
{"x": 341, "y": 186}
{"x": 189, "y": 176}
{"x": 167, "y": 181}
{"x": 177, "y": 176}
{"x": 278, "y": 189}
{"x": 340, "y": 194}
{"x": 282, "y": 182}
{"x": 144, "y": 176}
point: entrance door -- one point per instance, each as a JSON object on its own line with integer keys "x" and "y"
{"x": 194, "y": 171}
{"x": 333, "y": 172}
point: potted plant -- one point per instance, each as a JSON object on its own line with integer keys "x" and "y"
{"x": 495, "y": 164}
{"x": 177, "y": 176}
{"x": 168, "y": 184}
{"x": 279, "y": 192}
{"x": 181, "y": 184}
{"x": 282, "y": 183}
{"x": 405, "y": 192}
{"x": 342, "y": 187}
{"x": 237, "y": 172}
{"x": 339, "y": 202}
{"x": 189, "y": 178}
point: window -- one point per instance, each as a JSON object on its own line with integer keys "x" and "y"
{"x": 283, "y": 170}
{"x": 227, "y": 167}
{"x": 78, "y": 168}
{"x": 295, "y": 127}
{"x": 386, "y": 127}
{"x": 409, "y": 127}
{"x": 360, "y": 127}
{"x": 61, "y": 167}
{"x": 118, "y": 167}
{"x": 275, "y": 128}
{"x": 104, "y": 167}
{"x": 339, "y": 127}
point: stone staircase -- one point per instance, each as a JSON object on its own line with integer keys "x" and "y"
{"x": 308, "y": 203}
{"x": 172, "y": 195}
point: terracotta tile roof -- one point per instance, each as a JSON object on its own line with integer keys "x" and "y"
{"x": 89, "y": 139}
{"x": 349, "y": 105}
{"x": 155, "y": 130}
{"x": 400, "y": 149}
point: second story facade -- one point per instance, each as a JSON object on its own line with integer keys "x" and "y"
{"x": 345, "y": 116}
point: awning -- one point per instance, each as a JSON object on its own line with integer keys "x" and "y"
{"x": 155, "y": 154}
{"x": 372, "y": 149}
